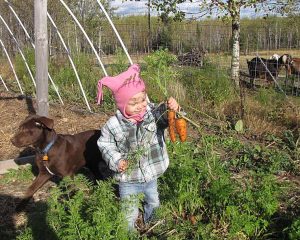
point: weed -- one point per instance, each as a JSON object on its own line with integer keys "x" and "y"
{"x": 199, "y": 184}
{"x": 214, "y": 84}
{"x": 201, "y": 198}
{"x": 78, "y": 210}
{"x": 294, "y": 231}
{"x": 26, "y": 234}
{"x": 121, "y": 62}
{"x": 269, "y": 97}
{"x": 22, "y": 71}
{"x": 134, "y": 157}
{"x": 21, "y": 174}
{"x": 160, "y": 74}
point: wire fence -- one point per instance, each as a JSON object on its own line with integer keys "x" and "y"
{"x": 178, "y": 38}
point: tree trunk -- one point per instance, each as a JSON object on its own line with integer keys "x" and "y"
{"x": 235, "y": 60}
{"x": 99, "y": 42}
{"x": 149, "y": 27}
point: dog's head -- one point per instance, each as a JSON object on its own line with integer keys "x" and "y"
{"x": 31, "y": 130}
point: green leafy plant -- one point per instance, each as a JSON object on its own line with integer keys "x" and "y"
{"x": 78, "y": 210}
{"x": 294, "y": 231}
{"x": 239, "y": 126}
{"x": 209, "y": 85}
{"x": 26, "y": 234}
{"x": 21, "y": 174}
{"x": 201, "y": 197}
{"x": 121, "y": 62}
{"x": 134, "y": 158}
{"x": 200, "y": 186}
{"x": 160, "y": 73}
{"x": 22, "y": 71}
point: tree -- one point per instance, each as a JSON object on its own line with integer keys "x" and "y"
{"x": 228, "y": 9}
{"x": 148, "y": 4}
{"x": 90, "y": 16}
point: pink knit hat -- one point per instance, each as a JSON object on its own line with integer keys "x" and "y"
{"x": 123, "y": 86}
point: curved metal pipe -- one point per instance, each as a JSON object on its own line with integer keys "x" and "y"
{"x": 118, "y": 36}
{"x": 115, "y": 30}
{"x": 22, "y": 55}
{"x": 3, "y": 83}
{"x": 70, "y": 59}
{"x": 12, "y": 66}
{"x": 32, "y": 44}
{"x": 86, "y": 36}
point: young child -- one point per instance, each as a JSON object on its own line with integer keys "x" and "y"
{"x": 132, "y": 141}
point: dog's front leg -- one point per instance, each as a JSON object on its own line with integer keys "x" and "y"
{"x": 40, "y": 180}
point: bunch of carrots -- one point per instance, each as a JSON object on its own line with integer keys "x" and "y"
{"x": 177, "y": 124}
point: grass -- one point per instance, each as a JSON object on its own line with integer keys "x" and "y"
{"x": 23, "y": 174}
{"x": 221, "y": 184}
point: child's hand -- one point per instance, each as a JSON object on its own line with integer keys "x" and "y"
{"x": 123, "y": 165}
{"x": 172, "y": 104}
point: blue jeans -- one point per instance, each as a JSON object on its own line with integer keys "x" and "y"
{"x": 130, "y": 203}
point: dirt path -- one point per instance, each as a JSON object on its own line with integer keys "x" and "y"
{"x": 14, "y": 109}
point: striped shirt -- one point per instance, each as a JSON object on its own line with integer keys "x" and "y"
{"x": 142, "y": 144}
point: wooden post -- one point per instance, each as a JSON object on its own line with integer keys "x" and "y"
{"x": 41, "y": 56}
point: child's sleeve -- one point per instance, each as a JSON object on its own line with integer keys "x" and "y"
{"x": 108, "y": 149}
{"x": 160, "y": 113}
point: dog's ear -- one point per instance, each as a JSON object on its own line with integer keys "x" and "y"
{"x": 47, "y": 122}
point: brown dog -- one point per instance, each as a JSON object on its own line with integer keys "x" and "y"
{"x": 57, "y": 154}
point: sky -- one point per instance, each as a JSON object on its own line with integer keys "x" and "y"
{"x": 139, "y": 8}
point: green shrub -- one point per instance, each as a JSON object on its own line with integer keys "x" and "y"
{"x": 27, "y": 234}
{"x": 121, "y": 63}
{"x": 201, "y": 198}
{"x": 159, "y": 74}
{"x": 24, "y": 174}
{"x": 199, "y": 184}
{"x": 22, "y": 71}
{"x": 294, "y": 231}
{"x": 269, "y": 97}
{"x": 255, "y": 204}
{"x": 67, "y": 82}
{"x": 257, "y": 158}
{"x": 208, "y": 83}
{"x": 79, "y": 211}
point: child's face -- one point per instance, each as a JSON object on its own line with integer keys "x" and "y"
{"x": 136, "y": 104}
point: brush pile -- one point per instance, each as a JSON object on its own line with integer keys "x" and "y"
{"x": 193, "y": 58}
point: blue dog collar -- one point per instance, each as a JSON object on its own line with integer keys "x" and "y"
{"x": 49, "y": 145}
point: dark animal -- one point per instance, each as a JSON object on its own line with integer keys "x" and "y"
{"x": 56, "y": 154}
{"x": 295, "y": 67}
{"x": 268, "y": 68}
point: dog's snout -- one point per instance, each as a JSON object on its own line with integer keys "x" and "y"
{"x": 14, "y": 141}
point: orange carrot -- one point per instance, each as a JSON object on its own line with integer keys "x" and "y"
{"x": 171, "y": 121}
{"x": 181, "y": 125}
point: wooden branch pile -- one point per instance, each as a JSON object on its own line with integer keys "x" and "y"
{"x": 193, "y": 58}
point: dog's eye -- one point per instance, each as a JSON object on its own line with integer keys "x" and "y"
{"x": 38, "y": 124}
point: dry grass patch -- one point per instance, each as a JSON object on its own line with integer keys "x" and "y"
{"x": 259, "y": 126}
{"x": 261, "y": 120}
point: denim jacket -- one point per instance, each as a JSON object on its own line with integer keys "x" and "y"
{"x": 122, "y": 139}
